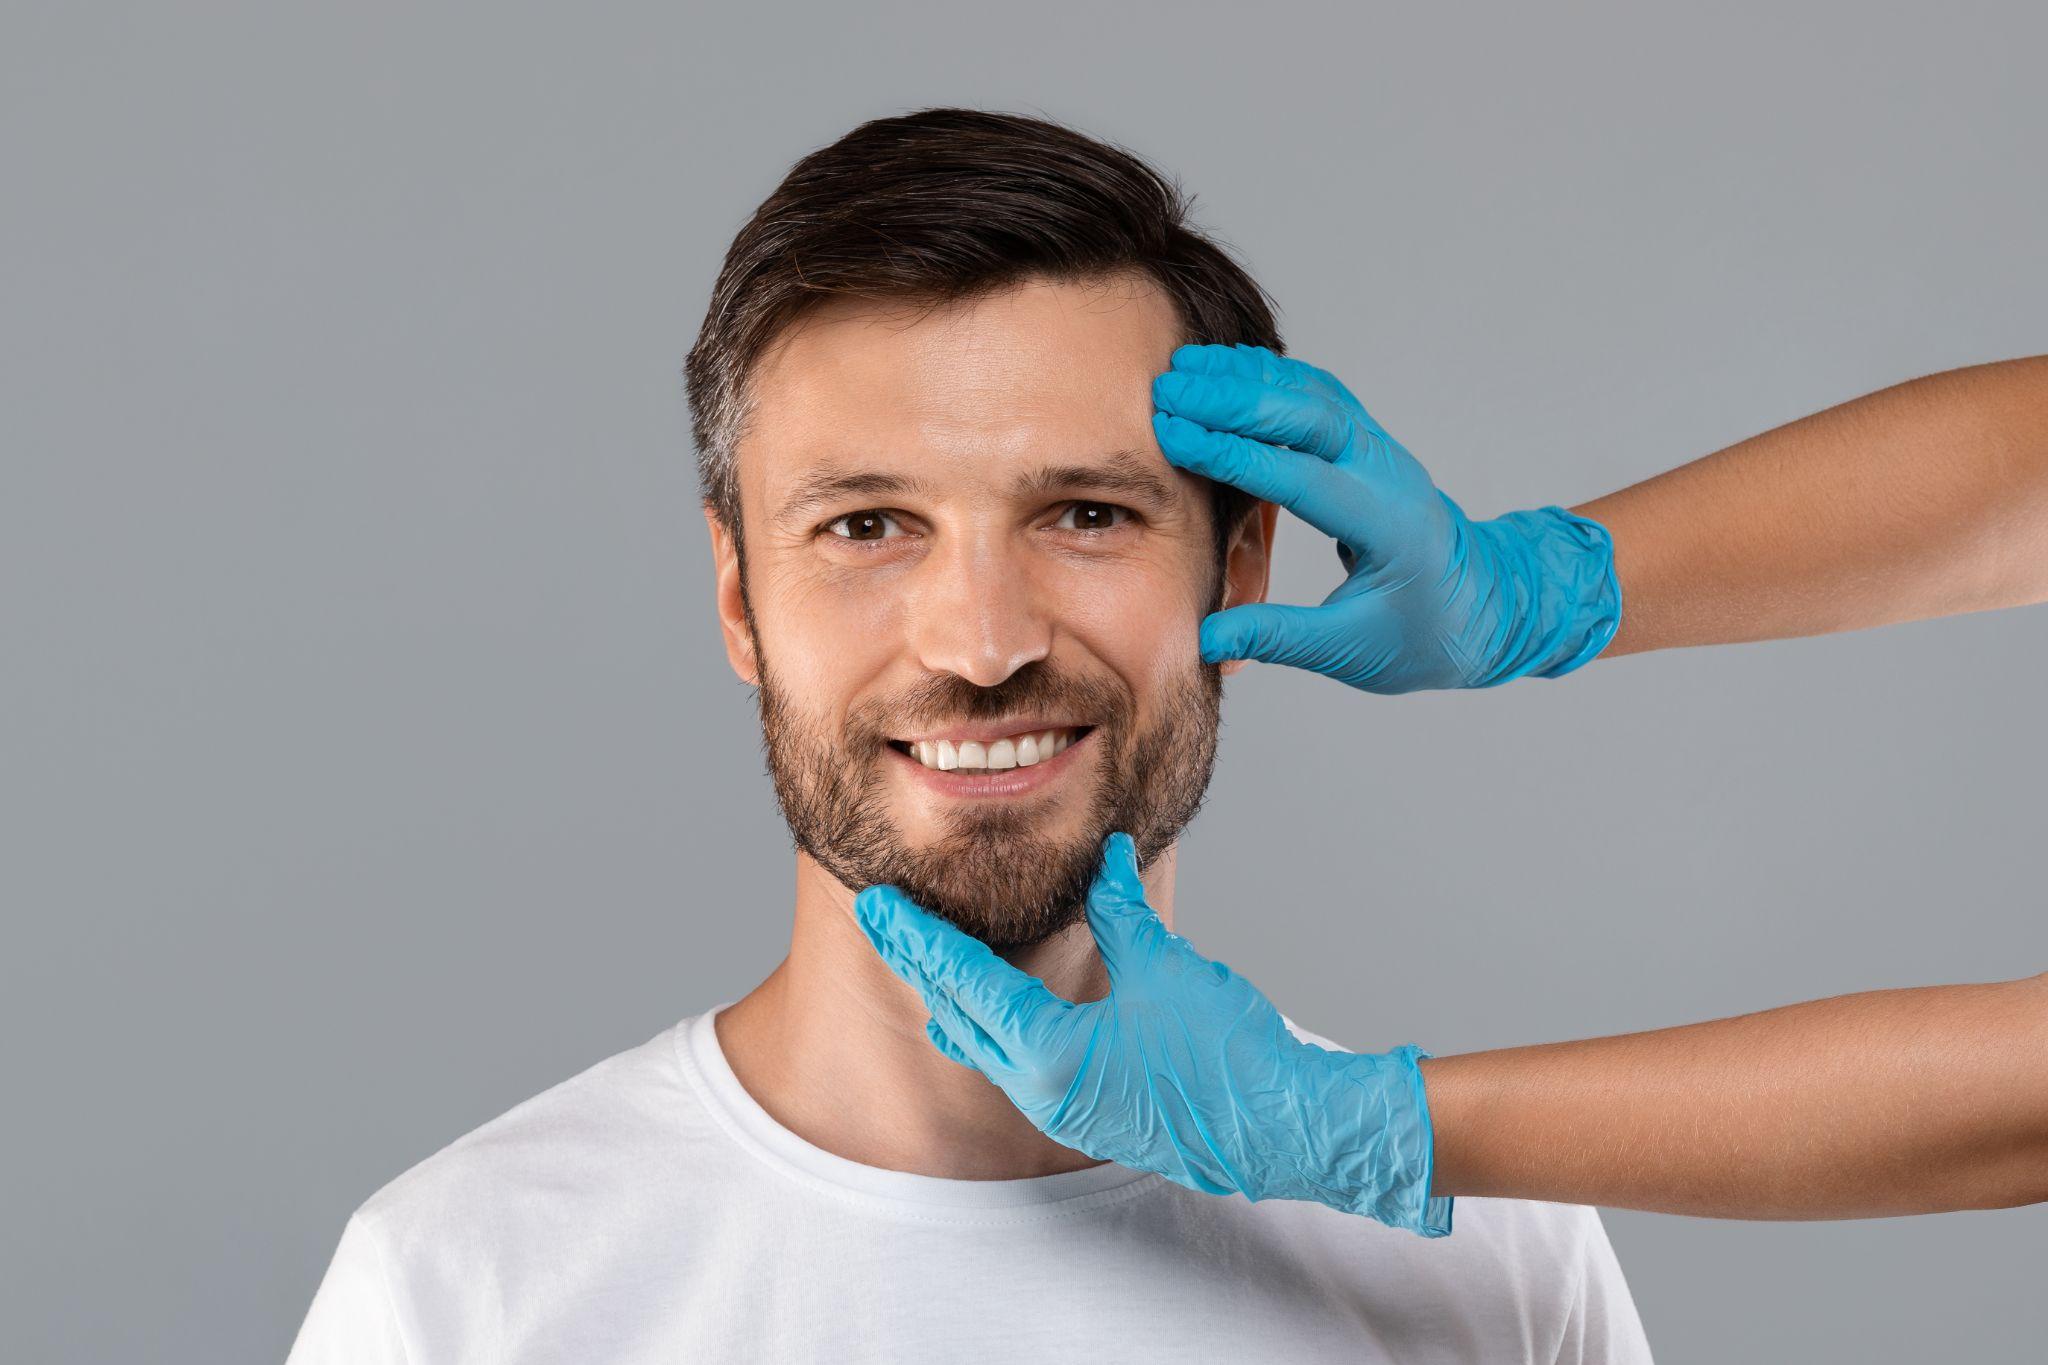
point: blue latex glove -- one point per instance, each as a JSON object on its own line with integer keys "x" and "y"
{"x": 1433, "y": 599}
{"x": 1183, "y": 1069}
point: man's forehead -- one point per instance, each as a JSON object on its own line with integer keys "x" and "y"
{"x": 1046, "y": 351}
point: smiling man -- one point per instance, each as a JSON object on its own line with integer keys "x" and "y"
{"x": 972, "y": 596}
{"x": 968, "y": 589}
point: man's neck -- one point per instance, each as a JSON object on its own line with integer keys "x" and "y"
{"x": 832, "y": 1045}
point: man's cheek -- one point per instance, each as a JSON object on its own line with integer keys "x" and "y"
{"x": 1171, "y": 619}
{"x": 830, "y": 646}
{"x": 1133, "y": 593}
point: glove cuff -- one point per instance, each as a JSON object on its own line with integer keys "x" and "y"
{"x": 1389, "y": 1160}
{"x": 1431, "y": 1215}
{"x": 1572, "y": 596}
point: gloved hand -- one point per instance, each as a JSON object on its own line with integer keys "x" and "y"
{"x": 1433, "y": 599}
{"x": 1183, "y": 1069}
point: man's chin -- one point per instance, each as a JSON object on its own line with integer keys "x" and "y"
{"x": 1007, "y": 893}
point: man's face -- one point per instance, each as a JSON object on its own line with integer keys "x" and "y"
{"x": 972, "y": 594}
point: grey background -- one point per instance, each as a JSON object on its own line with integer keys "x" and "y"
{"x": 369, "y": 761}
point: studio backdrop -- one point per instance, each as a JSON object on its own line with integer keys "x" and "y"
{"x": 370, "y": 761}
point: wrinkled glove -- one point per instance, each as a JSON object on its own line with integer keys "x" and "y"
{"x": 1183, "y": 1069}
{"x": 1433, "y": 599}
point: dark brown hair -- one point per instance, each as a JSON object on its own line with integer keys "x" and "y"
{"x": 943, "y": 205}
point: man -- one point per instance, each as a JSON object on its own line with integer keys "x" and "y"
{"x": 969, "y": 590}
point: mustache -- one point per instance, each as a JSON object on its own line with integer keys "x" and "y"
{"x": 1035, "y": 687}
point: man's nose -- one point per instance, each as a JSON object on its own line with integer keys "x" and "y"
{"x": 979, "y": 610}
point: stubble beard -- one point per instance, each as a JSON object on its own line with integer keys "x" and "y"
{"x": 993, "y": 871}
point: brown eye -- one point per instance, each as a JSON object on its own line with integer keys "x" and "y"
{"x": 1094, "y": 516}
{"x": 868, "y": 526}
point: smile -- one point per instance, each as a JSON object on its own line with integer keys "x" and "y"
{"x": 975, "y": 755}
{"x": 1008, "y": 766}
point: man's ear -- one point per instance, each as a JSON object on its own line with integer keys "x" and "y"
{"x": 732, "y": 611}
{"x": 1248, "y": 564}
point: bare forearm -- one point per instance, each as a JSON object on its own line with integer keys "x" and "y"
{"x": 1926, "y": 499}
{"x": 1859, "y": 1106}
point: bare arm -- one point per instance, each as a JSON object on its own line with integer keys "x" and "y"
{"x": 1926, "y": 499}
{"x": 1859, "y": 1106}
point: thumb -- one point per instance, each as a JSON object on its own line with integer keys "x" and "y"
{"x": 1268, "y": 632}
{"x": 1118, "y": 914}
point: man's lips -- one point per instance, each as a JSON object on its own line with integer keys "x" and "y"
{"x": 999, "y": 781}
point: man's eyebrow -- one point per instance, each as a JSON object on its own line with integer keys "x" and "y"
{"x": 1122, "y": 471}
{"x": 829, "y": 484}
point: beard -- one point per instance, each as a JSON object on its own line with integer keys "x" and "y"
{"x": 993, "y": 871}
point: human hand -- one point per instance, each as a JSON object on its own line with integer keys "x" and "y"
{"x": 1183, "y": 1069}
{"x": 1432, "y": 599}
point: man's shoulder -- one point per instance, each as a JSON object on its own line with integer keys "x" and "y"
{"x": 496, "y": 1216}
{"x": 581, "y": 1136}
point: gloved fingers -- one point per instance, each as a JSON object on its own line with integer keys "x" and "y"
{"x": 1313, "y": 490}
{"x": 1314, "y": 378}
{"x": 1299, "y": 637}
{"x": 1251, "y": 362}
{"x": 1260, "y": 363}
{"x": 1118, "y": 914}
{"x": 1245, "y": 362}
{"x": 1013, "y": 1009}
{"x": 957, "y": 1037}
{"x": 947, "y": 1046}
{"x": 971, "y": 1040}
{"x": 1277, "y": 415}
{"x": 968, "y": 1039}
{"x": 1257, "y": 362}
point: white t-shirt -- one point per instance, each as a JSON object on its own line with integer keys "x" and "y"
{"x": 650, "y": 1210}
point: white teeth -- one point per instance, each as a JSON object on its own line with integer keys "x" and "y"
{"x": 1016, "y": 751}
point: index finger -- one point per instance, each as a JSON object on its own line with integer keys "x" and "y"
{"x": 1013, "y": 1008}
